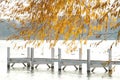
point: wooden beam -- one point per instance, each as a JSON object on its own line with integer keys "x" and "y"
{"x": 28, "y": 56}
{"x": 88, "y": 61}
{"x": 8, "y": 58}
{"x": 32, "y": 59}
{"x": 80, "y": 58}
{"x": 110, "y": 63}
{"x": 52, "y": 57}
{"x": 59, "y": 59}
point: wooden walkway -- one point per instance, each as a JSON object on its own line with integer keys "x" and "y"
{"x": 33, "y": 62}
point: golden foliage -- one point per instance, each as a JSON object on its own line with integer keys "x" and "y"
{"x": 49, "y": 19}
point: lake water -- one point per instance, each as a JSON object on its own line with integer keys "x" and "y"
{"x": 43, "y": 73}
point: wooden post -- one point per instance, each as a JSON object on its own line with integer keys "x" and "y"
{"x": 28, "y": 56}
{"x": 80, "y": 57}
{"x": 8, "y": 58}
{"x": 59, "y": 59}
{"x": 88, "y": 60}
{"x": 52, "y": 57}
{"x": 110, "y": 63}
{"x": 32, "y": 58}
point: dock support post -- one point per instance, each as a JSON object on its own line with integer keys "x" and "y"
{"x": 28, "y": 56}
{"x": 32, "y": 59}
{"x": 80, "y": 57}
{"x": 59, "y": 59}
{"x": 110, "y": 63}
{"x": 8, "y": 58}
{"x": 88, "y": 61}
{"x": 52, "y": 57}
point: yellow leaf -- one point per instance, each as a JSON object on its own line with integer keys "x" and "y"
{"x": 85, "y": 41}
{"x": 99, "y": 28}
{"x": 87, "y": 19}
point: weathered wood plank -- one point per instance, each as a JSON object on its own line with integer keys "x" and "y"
{"x": 59, "y": 59}
{"x": 19, "y": 60}
{"x": 88, "y": 61}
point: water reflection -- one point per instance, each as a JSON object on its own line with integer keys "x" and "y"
{"x": 53, "y": 74}
{"x": 45, "y": 73}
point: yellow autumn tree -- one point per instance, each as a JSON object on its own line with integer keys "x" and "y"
{"x": 63, "y": 19}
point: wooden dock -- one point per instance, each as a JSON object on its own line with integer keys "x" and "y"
{"x": 18, "y": 60}
{"x": 33, "y": 62}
